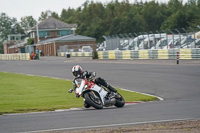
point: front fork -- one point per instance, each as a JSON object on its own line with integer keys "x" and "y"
{"x": 96, "y": 97}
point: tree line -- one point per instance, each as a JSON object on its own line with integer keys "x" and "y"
{"x": 96, "y": 19}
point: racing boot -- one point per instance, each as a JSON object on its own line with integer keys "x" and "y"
{"x": 111, "y": 88}
{"x": 113, "y": 92}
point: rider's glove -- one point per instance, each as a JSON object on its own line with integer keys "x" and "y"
{"x": 85, "y": 74}
{"x": 70, "y": 90}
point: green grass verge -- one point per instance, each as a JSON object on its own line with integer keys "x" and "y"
{"x": 22, "y": 93}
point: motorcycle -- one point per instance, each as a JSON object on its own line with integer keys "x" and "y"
{"x": 97, "y": 96}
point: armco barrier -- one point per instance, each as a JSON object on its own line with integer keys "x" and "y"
{"x": 195, "y": 53}
{"x": 76, "y": 54}
{"x": 153, "y": 54}
{"x": 172, "y": 53}
{"x": 150, "y": 54}
{"x": 18, "y": 56}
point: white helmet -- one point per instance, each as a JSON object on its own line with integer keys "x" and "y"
{"x": 77, "y": 70}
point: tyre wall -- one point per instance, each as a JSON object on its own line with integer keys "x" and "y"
{"x": 150, "y": 54}
{"x": 76, "y": 54}
{"x": 17, "y": 56}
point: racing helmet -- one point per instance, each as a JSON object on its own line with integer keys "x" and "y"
{"x": 77, "y": 70}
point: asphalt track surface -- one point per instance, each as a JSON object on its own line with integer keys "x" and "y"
{"x": 179, "y": 85}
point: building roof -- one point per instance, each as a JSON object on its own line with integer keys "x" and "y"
{"x": 67, "y": 38}
{"x": 52, "y": 23}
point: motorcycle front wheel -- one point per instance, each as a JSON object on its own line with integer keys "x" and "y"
{"x": 94, "y": 100}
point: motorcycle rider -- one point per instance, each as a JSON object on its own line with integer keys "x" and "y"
{"x": 77, "y": 71}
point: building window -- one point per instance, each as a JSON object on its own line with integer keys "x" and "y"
{"x": 63, "y": 32}
{"x": 17, "y": 38}
{"x": 12, "y": 38}
{"x": 44, "y": 34}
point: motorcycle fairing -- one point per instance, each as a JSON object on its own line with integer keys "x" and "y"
{"x": 100, "y": 91}
{"x": 91, "y": 86}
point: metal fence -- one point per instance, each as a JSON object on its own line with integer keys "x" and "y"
{"x": 165, "y": 39}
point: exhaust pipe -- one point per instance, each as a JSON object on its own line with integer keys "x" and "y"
{"x": 110, "y": 102}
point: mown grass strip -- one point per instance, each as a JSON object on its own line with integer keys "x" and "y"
{"x": 22, "y": 93}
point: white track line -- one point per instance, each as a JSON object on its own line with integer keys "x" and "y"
{"x": 111, "y": 125}
{"x": 160, "y": 98}
{"x": 38, "y": 75}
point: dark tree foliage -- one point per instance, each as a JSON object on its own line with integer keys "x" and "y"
{"x": 44, "y": 15}
{"x": 98, "y": 19}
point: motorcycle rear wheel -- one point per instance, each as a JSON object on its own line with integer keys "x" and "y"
{"x": 120, "y": 102}
{"x": 90, "y": 98}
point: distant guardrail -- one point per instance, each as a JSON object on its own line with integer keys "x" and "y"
{"x": 140, "y": 54}
{"x": 17, "y": 56}
{"x": 150, "y": 54}
{"x": 76, "y": 54}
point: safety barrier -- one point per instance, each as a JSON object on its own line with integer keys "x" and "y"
{"x": 18, "y": 56}
{"x": 150, "y": 54}
{"x": 76, "y": 54}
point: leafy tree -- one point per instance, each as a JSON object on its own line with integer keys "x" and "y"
{"x": 153, "y": 15}
{"x": 30, "y": 41}
{"x": 27, "y": 22}
{"x": 177, "y": 20}
{"x": 192, "y": 13}
{"x": 68, "y": 15}
{"x": 174, "y": 6}
{"x": 198, "y": 4}
{"x": 114, "y": 28}
{"x": 55, "y": 15}
{"x": 44, "y": 15}
{"x": 96, "y": 19}
{"x": 8, "y": 26}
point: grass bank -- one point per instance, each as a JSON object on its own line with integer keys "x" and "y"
{"x": 22, "y": 93}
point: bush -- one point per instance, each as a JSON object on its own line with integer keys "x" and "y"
{"x": 30, "y": 41}
{"x": 94, "y": 55}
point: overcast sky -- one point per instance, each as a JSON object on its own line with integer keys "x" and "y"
{"x": 21, "y": 8}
